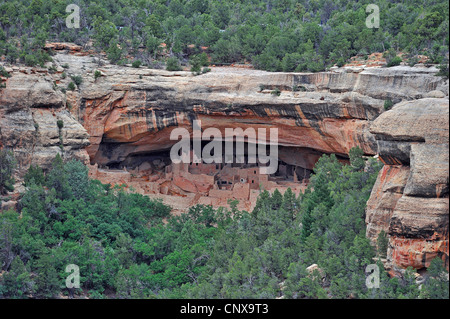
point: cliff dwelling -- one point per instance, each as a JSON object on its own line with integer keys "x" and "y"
{"x": 187, "y": 184}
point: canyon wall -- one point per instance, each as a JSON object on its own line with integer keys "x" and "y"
{"x": 132, "y": 111}
{"x": 126, "y": 115}
{"x": 30, "y": 109}
{"x": 410, "y": 200}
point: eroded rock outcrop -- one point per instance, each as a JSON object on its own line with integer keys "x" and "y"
{"x": 132, "y": 111}
{"x": 30, "y": 108}
{"x": 410, "y": 200}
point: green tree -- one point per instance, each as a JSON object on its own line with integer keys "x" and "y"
{"x": 356, "y": 158}
{"x": 34, "y": 175}
{"x": 7, "y": 166}
{"x": 173, "y": 64}
{"x": 153, "y": 46}
{"x": 47, "y": 281}
{"x": 115, "y": 52}
{"x": 17, "y": 282}
{"x": 58, "y": 179}
{"x": 105, "y": 32}
{"x": 195, "y": 65}
{"x": 382, "y": 244}
{"x": 203, "y": 59}
{"x": 436, "y": 284}
{"x": 77, "y": 178}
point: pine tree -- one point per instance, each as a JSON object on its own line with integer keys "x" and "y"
{"x": 7, "y": 166}
{"x": 57, "y": 179}
{"x": 436, "y": 285}
{"x": 17, "y": 282}
{"x": 47, "y": 281}
{"x": 382, "y": 244}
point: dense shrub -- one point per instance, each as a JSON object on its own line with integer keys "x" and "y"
{"x": 173, "y": 64}
{"x": 4, "y": 73}
{"x": 388, "y": 104}
{"x": 97, "y": 74}
{"x": 136, "y": 64}
{"x": 395, "y": 61}
{"x": 7, "y": 166}
{"x": 276, "y": 92}
{"x": 77, "y": 79}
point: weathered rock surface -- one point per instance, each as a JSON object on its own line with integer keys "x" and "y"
{"x": 410, "y": 200}
{"x": 129, "y": 112}
{"x": 29, "y": 110}
{"x": 132, "y": 111}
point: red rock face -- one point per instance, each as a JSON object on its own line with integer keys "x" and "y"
{"x": 388, "y": 189}
{"x": 146, "y": 130}
{"x": 417, "y": 253}
{"x": 410, "y": 200}
{"x": 129, "y": 111}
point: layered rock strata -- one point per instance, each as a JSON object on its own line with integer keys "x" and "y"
{"x": 30, "y": 109}
{"x": 410, "y": 200}
{"x": 130, "y": 111}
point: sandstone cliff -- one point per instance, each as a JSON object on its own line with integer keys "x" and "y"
{"x": 29, "y": 110}
{"x": 410, "y": 200}
{"x": 128, "y": 113}
{"x": 132, "y": 111}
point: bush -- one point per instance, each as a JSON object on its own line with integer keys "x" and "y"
{"x": 388, "y": 104}
{"x": 97, "y": 74}
{"x": 77, "y": 79}
{"x": 71, "y": 86}
{"x": 206, "y": 70}
{"x": 203, "y": 59}
{"x": 412, "y": 61}
{"x": 4, "y": 73}
{"x": 78, "y": 179}
{"x": 60, "y": 124}
{"x": 115, "y": 52}
{"x": 395, "y": 61}
{"x": 196, "y": 67}
{"x": 382, "y": 244}
{"x": 173, "y": 64}
{"x": 30, "y": 60}
{"x": 52, "y": 69}
{"x": 34, "y": 58}
{"x": 443, "y": 70}
{"x": 340, "y": 62}
{"x": 7, "y": 166}
{"x": 136, "y": 64}
{"x": 276, "y": 92}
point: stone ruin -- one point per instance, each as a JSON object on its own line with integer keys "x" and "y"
{"x": 187, "y": 184}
